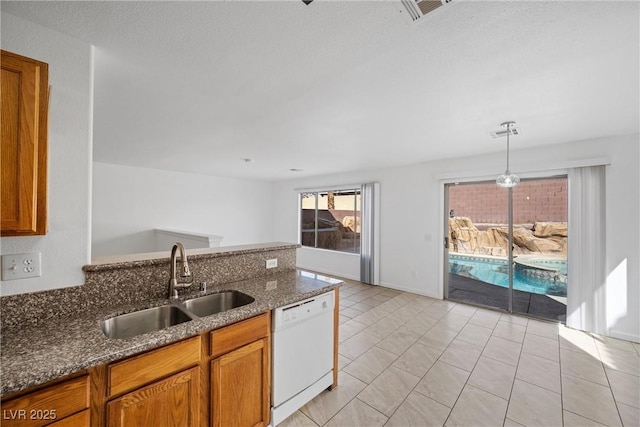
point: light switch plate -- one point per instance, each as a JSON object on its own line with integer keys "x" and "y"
{"x": 21, "y": 266}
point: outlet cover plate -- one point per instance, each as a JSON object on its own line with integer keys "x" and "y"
{"x": 272, "y": 263}
{"x": 21, "y": 266}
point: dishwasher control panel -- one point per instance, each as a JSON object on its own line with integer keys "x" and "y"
{"x": 302, "y": 310}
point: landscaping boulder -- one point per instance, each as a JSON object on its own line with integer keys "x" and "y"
{"x": 543, "y": 238}
{"x": 548, "y": 229}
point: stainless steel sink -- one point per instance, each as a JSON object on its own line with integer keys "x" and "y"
{"x": 217, "y": 303}
{"x": 143, "y": 321}
{"x": 157, "y": 318}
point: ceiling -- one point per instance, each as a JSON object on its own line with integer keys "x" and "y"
{"x": 346, "y": 85}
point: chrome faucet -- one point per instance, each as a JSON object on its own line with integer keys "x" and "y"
{"x": 185, "y": 273}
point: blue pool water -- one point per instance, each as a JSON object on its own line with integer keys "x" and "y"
{"x": 495, "y": 271}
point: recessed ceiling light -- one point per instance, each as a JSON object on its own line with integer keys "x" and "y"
{"x": 247, "y": 160}
{"x": 295, "y": 170}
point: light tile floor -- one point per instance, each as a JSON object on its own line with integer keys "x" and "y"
{"x": 410, "y": 360}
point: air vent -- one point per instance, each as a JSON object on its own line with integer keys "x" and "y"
{"x": 501, "y": 133}
{"x": 419, "y": 8}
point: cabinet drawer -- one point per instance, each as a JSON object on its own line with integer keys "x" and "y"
{"x": 47, "y": 405}
{"x": 234, "y": 336}
{"x": 145, "y": 368}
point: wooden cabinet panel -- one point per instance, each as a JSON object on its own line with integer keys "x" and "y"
{"x": 45, "y": 406}
{"x": 23, "y": 170}
{"x": 176, "y": 385}
{"x": 140, "y": 370}
{"x": 174, "y": 401}
{"x": 234, "y": 336}
{"x": 240, "y": 387}
{"x": 81, "y": 419}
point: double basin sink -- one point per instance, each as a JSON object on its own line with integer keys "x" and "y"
{"x": 158, "y": 318}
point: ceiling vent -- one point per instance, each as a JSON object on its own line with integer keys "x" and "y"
{"x": 418, "y": 8}
{"x": 501, "y": 133}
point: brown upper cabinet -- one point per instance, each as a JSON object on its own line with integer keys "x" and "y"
{"x": 23, "y": 173}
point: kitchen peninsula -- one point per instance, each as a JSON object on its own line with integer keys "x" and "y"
{"x": 53, "y": 340}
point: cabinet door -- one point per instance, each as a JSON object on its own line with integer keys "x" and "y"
{"x": 24, "y": 145}
{"x": 240, "y": 387}
{"x": 174, "y": 401}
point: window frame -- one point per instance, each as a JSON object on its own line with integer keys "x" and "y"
{"x": 356, "y": 191}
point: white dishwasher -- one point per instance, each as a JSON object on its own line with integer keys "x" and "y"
{"x": 302, "y": 354}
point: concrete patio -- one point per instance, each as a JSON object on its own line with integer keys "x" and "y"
{"x": 475, "y": 292}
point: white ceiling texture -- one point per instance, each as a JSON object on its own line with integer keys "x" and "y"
{"x": 346, "y": 85}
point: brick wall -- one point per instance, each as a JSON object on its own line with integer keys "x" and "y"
{"x": 539, "y": 200}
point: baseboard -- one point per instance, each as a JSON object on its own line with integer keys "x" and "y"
{"x": 357, "y": 279}
{"x": 624, "y": 335}
{"x": 410, "y": 290}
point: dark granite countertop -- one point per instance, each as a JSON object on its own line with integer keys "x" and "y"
{"x": 35, "y": 354}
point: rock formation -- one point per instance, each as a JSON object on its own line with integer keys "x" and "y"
{"x": 548, "y": 229}
{"x": 542, "y": 237}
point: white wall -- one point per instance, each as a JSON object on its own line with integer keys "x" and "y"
{"x": 129, "y": 202}
{"x": 65, "y": 247}
{"x": 412, "y": 217}
{"x": 408, "y": 211}
{"x": 344, "y": 264}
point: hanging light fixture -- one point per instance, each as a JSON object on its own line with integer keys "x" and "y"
{"x": 508, "y": 179}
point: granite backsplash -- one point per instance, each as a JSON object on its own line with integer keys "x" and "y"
{"x": 120, "y": 284}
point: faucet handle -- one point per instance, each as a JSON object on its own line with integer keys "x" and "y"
{"x": 186, "y": 272}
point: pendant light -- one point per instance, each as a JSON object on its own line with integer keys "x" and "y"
{"x": 508, "y": 179}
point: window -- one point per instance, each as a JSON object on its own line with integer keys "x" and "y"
{"x": 331, "y": 220}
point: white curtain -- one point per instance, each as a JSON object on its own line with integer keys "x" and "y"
{"x": 586, "y": 290}
{"x": 369, "y": 244}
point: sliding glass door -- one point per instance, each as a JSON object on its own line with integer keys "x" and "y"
{"x": 478, "y": 234}
{"x": 476, "y": 218}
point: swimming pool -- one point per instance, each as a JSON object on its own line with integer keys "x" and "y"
{"x": 495, "y": 271}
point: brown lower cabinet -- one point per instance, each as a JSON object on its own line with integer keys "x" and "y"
{"x": 240, "y": 386}
{"x": 240, "y": 378}
{"x": 173, "y": 401}
{"x": 219, "y": 378}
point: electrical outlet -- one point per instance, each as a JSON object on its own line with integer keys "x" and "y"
{"x": 272, "y": 263}
{"x": 21, "y": 266}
